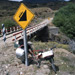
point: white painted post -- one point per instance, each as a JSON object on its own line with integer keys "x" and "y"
{"x": 6, "y": 31}
{"x": 17, "y": 27}
{"x": 14, "y": 28}
{"x": 10, "y": 30}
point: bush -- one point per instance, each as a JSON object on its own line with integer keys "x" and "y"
{"x": 9, "y": 23}
{"x": 65, "y": 20}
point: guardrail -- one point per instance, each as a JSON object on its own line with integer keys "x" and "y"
{"x": 10, "y": 30}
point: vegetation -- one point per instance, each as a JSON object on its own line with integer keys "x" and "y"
{"x": 65, "y": 20}
{"x": 47, "y": 45}
{"x": 9, "y": 23}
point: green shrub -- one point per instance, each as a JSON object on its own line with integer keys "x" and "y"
{"x": 65, "y": 20}
{"x": 9, "y": 23}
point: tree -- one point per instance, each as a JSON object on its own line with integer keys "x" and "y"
{"x": 65, "y": 20}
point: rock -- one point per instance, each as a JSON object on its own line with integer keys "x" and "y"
{"x": 45, "y": 66}
{"x": 21, "y": 69}
{"x": 62, "y": 63}
{"x": 5, "y": 55}
{"x": 67, "y": 66}
{"x": 21, "y": 73}
{"x": 6, "y": 66}
{"x": 15, "y": 64}
{"x": 39, "y": 74}
{"x": 31, "y": 65}
{"x": 43, "y": 70}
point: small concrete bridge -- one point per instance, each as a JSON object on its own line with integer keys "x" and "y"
{"x": 30, "y": 30}
{"x": 33, "y": 29}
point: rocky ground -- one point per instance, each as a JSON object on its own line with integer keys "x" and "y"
{"x": 10, "y": 65}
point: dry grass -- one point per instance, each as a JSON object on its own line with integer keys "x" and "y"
{"x": 47, "y": 45}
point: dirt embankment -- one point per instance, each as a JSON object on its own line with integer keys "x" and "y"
{"x": 10, "y": 65}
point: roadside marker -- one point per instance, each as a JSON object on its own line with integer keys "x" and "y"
{"x": 4, "y": 33}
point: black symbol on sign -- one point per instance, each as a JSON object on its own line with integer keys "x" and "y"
{"x": 23, "y": 16}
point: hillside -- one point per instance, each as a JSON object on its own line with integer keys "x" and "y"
{"x": 11, "y": 65}
{"x": 41, "y": 11}
{"x": 8, "y": 9}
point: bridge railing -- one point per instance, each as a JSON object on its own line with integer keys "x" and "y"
{"x": 10, "y": 30}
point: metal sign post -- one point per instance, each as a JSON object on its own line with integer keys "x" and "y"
{"x": 23, "y": 17}
{"x": 25, "y": 47}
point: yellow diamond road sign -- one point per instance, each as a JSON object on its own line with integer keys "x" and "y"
{"x": 23, "y": 16}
